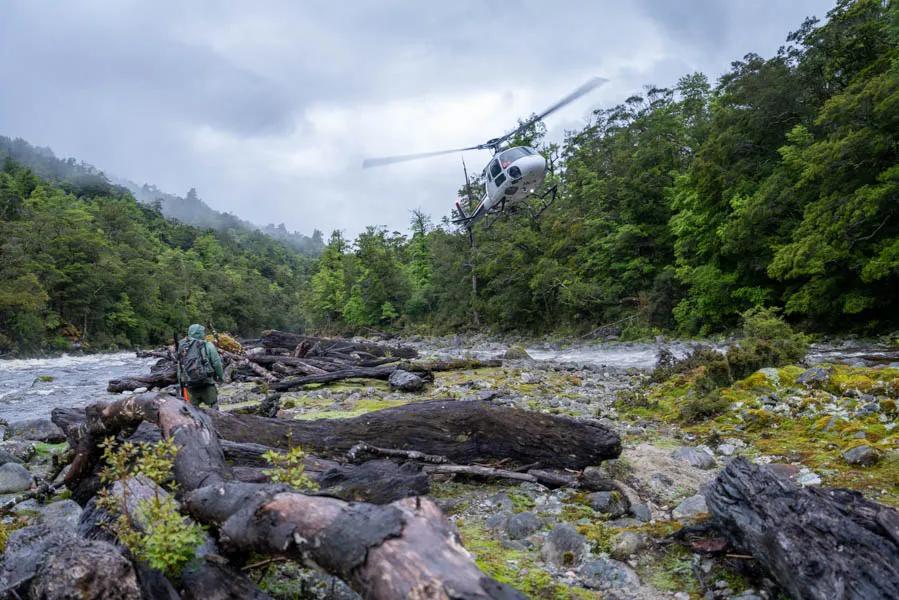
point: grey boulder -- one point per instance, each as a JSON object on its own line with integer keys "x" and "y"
{"x": 691, "y": 507}
{"x": 522, "y": 525}
{"x": 40, "y": 430}
{"x": 697, "y": 457}
{"x": 14, "y": 478}
{"x": 606, "y": 573}
{"x": 405, "y": 381}
{"x": 564, "y": 546}
{"x": 863, "y": 455}
{"x": 609, "y": 503}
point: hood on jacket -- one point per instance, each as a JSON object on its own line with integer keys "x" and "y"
{"x": 196, "y": 332}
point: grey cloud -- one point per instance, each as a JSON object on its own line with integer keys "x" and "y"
{"x": 268, "y": 110}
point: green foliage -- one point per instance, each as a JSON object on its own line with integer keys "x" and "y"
{"x": 289, "y": 468}
{"x": 91, "y": 265}
{"x": 154, "y": 531}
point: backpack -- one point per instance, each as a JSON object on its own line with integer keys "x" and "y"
{"x": 194, "y": 362}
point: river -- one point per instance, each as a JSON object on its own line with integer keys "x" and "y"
{"x": 33, "y": 387}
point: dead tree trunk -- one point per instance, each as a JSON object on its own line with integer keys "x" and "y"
{"x": 464, "y": 432}
{"x": 282, "y": 339}
{"x": 158, "y": 379}
{"x": 818, "y": 543}
{"x": 406, "y": 549}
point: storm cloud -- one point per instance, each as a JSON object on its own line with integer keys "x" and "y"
{"x": 269, "y": 109}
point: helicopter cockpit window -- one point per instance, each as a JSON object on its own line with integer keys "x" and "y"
{"x": 494, "y": 169}
{"x": 509, "y": 156}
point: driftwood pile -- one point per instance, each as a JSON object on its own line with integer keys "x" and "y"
{"x": 369, "y": 524}
{"x": 289, "y": 361}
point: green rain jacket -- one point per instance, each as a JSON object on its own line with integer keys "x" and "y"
{"x": 198, "y": 332}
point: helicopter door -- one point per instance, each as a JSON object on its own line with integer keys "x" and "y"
{"x": 495, "y": 174}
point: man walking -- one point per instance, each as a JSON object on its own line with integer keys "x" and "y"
{"x": 199, "y": 368}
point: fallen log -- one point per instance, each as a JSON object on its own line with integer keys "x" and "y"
{"x": 817, "y": 543}
{"x": 406, "y": 549}
{"x": 465, "y": 432}
{"x": 282, "y": 339}
{"x": 159, "y": 379}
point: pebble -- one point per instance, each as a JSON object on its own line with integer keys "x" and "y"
{"x": 807, "y": 477}
{"x": 608, "y": 503}
{"x": 627, "y": 543}
{"x": 726, "y": 449}
{"x": 606, "y": 573}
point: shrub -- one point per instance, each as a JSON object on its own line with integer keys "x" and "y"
{"x": 699, "y": 407}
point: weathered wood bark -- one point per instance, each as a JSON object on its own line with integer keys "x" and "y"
{"x": 818, "y": 543}
{"x": 406, "y": 549}
{"x": 464, "y": 432}
{"x": 282, "y": 339}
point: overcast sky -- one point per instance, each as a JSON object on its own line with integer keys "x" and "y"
{"x": 268, "y": 108}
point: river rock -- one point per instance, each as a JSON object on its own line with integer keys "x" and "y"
{"x": 609, "y": 503}
{"x": 606, "y": 573}
{"x": 698, "y": 457}
{"x": 20, "y": 450}
{"x": 863, "y": 455}
{"x": 517, "y": 353}
{"x": 40, "y": 430}
{"x": 96, "y": 569}
{"x": 64, "y": 514}
{"x": 641, "y": 512}
{"x": 814, "y": 376}
{"x": 405, "y": 381}
{"x": 691, "y": 507}
{"x": 522, "y": 525}
{"x": 14, "y": 478}
{"x": 564, "y": 546}
{"x": 627, "y": 543}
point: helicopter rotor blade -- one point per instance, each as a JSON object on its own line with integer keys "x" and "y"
{"x": 583, "y": 89}
{"x": 389, "y": 160}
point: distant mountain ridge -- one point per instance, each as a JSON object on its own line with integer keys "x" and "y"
{"x": 189, "y": 209}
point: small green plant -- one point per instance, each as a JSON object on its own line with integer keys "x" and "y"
{"x": 154, "y": 531}
{"x": 46, "y": 378}
{"x": 289, "y": 468}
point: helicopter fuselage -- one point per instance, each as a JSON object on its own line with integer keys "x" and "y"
{"x": 512, "y": 175}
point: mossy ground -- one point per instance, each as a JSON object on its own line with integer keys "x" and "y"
{"x": 822, "y": 422}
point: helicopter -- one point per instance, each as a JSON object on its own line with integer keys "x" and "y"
{"x": 512, "y": 175}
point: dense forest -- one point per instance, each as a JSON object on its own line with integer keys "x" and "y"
{"x": 679, "y": 209}
{"x": 83, "y": 262}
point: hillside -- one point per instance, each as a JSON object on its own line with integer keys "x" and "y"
{"x": 189, "y": 209}
{"x": 84, "y": 262}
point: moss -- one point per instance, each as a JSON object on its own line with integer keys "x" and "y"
{"x": 516, "y": 568}
{"x": 672, "y": 572}
{"x": 575, "y": 512}
{"x": 521, "y": 502}
{"x": 46, "y": 378}
{"x": 46, "y": 449}
{"x": 360, "y": 407}
{"x": 598, "y": 534}
{"x": 757, "y": 382}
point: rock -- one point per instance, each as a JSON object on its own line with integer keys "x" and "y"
{"x": 501, "y": 500}
{"x": 863, "y": 455}
{"x": 527, "y": 378}
{"x": 691, "y": 507}
{"x": 405, "y": 381}
{"x": 726, "y": 449}
{"x": 497, "y": 520}
{"x": 14, "y": 478}
{"x": 517, "y": 353}
{"x": 96, "y": 569}
{"x": 140, "y": 390}
{"x": 6, "y": 457}
{"x": 606, "y": 573}
{"x": 60, "y": 515}
{"x": 564, "y": 546}
{"x": 41, "y": 430}
{"x": 627, "y": 543}
{"x": 19, "y": 449}
{"x": 641, "y": 512}
{"x": 813, "y": 376}
{"x": 522, "y": 525}
{"x": 609, "y": 503}
{"x": 697, "y": 457}
{"x": 806, "y": 478}
{"x": 772, "y": 375}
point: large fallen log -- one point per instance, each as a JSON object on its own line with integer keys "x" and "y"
{"x": 406, "y": 549}
{"x": 817, "y": 543}
{"x": 465, "y": 432}
{"x": 157, "y": 379}
{"x": 282, "y": 339}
